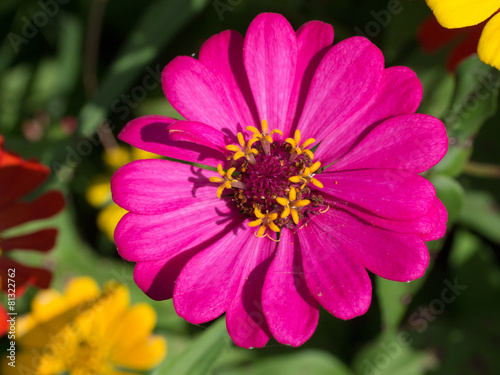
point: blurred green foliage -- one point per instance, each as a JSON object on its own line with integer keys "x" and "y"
{"x": 82, "y": 66}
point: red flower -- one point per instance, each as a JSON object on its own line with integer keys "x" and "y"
{"x": 18, "y": 178}
{"x": 434, "y": 37}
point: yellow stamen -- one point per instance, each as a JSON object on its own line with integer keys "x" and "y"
{"x": 298, "y": 148}
{"x": 265, "y": 221}
{"x": 265, "y": 135}
{"x": 308, "y": 176}
{"x": 291, "y": 204}
{"x": 226, "y": 180}
{"x": 244, "y": 149}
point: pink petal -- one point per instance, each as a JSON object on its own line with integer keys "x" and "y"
{"x": 440, "y": 229}
{"x": 198, "y": 95}
{"x": 199, "y": 133}
{"x": 223, "y": 55}
{"x": 400, "y": 92}
{"x": 393, "y": 256}
{"x": 422, "y": 225}
{"x": 210, "y": 280}
{"x": 413, "y": 142}
{"x": 314, "y": 39}
{"x": 245, "y": 320}
{"x": 291, "y": 312}
{"x": 157, "y": 278}
{"x": 336, "y": 279}
{"x": 270, "y": 57}
{"x": 346, "y": 79}
{"x": 157, "y": 186}
{"x": 151, "y": 133}
{"x": 390, "y": 193}
{"x": 142, "y": 238}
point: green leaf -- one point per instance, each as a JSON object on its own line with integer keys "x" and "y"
{"x": 451, "y": 194}
{"x": 392, "y": 354}
{"x": 201, "y": 355}
{"x": 453, "y": 162}
{"x": 475, "y": 101}
{"x": 159, "y": 23}
{"x": 310, "y": 362}
{"x": 481, "y": 214}
{"x": 14, "y": 85}
{"x": 462, "y": 332}
{"x": 394, "y": 298}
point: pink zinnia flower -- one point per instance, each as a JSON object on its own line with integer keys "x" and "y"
{"x": 294, "y": 227}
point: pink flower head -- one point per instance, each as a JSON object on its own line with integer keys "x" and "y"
{"x": 281, "y": 227}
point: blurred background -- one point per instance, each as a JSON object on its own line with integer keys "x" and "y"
{"x": 73, "y": 73}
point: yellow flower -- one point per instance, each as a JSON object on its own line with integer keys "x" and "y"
{"x": 98, "y": 193}
{"x": 454, "y": 14}
{"x": 86, "y": 332}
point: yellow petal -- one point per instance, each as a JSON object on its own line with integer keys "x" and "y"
{"x": 453, "y": 14}
{"x": 144, "y": 355}
{"x": 108, "y": 219}
{"x": 81, "y": 289}
{"x": 99, "y": 192}
{"x": 134, "y": 326}
{"x": 295, "y": 179}
{"x": 293, "y": 194}
{"x": 116, "y": 157}
{"x": 114, "y": 304}
{"x": 138, "y": 154}
{"x": 261, "y": 231}
{"x": 47, "y": 304}
{"x": 295, "y": 216}
{"x": 489, "y": 44}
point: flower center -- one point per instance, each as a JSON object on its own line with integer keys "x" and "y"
{"x": 269, "y": 180}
